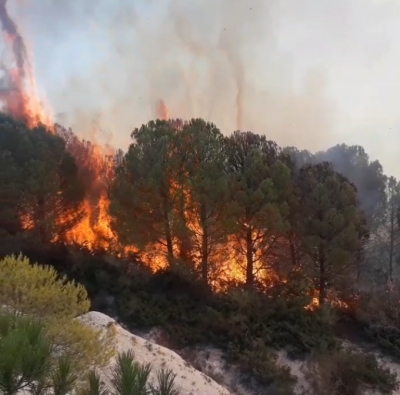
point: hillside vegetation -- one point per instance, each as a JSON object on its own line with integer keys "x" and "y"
{"x": 229, "y": 241}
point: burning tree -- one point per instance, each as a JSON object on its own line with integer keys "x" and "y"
{"x": 40, "y": 182}
{"x": 96, "y": 168}
{"x": 142, "y": 195}
{"x": 259, "y": 182}
{"x": 202, "y": 151}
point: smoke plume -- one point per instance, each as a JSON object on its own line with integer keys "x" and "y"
{"x": 300, "y": 72}
{"x": 201, "y": 58}
{"x": 11, "y": 91}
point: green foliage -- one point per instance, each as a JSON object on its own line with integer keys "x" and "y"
{"x": 347, "y": 372}
{"x": 30, "y": 362}
{"x": 37, "y": 290}
{"x": 385, "y": 257}
{"x": 25, "y": 353}
{"x": 200, "y": 198}
{"x": 131, "y": 378}
{"x": 191, "y": 315}
{"x": 142, "y": 194}
{"x": 39, "y": 182}
{"x": 149, "y": 196}
{"x": 379, "y": 315}
{"x": 63, "y": 378}
{"x": 166, "y": 383}
{"x": 260, "y": 361}
{"x": 94, "y": 385}
{"x": 205, "y": 181}
{"x": 333, "y": 226}
{"x": 259, "y": 184}
{"x": 9, "y": 189}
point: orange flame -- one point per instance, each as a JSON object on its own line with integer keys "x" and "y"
{"x": 162, "y": 110}
{"x": 19, "y": 92}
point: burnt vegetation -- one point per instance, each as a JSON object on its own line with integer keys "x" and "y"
{"x": 228, "y": 241}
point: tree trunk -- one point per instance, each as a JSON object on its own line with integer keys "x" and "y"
{"x": 204, "y": 258}
{"x": 183, "y": 234}
{"x": 391, "y": 247}
{"x": 249, "y": 260}
{"x": 322, "y": 280}
{"x": 168, "y": 235}
{"x": 204, "y": 246}
{"x": 41, "y": 217}
{"x": 294, "y": 255}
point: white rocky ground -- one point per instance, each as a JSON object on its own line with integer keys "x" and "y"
{"x": 192, "y": 381}
{"x": 189, "y": 380}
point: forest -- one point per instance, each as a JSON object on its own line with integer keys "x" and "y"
{"x": 223, "y": 240}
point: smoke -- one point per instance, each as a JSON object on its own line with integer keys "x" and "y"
{"x": 202, "y": 58}
{"x": 10, "y": 29}
{"x": 304, "y": 73}
{"x": 11, "y": 83}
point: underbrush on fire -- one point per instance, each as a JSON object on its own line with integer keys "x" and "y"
{"x": 249, "y": 327}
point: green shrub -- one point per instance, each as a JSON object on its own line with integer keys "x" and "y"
{"x": 191, "y": 315}
{"x": 379, "y": 315}
{"x": 129, "y": 377}
{"x": 29, "y": 362}
{"x": 260, "y": 362}
{"x": 37, "y": 290}
{"x": 28, "y": 359}
{"x": 348, "y": 372}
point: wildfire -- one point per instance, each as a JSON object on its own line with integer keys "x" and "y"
{"x": 18, "y": 94}
{"x": 18, "y": 90}
{"x": 331, "y": 300}
{"x": 96, "y": 169}
{"x": 162, "y": 110}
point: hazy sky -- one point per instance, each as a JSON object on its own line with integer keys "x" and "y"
{"x": 308, "y": 73}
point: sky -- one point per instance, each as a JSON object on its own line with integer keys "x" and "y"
{"x": 307, "y": 73}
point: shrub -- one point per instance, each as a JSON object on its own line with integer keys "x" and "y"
{"x": 348, "y": 372}
{"x": 30, "y": 363}
{"x": 37, "y": 290}
{"x": 131, "y": 378}
{"x": 190, "y": 315}
{"x": 28, "y": 360}
{"x": 260, "y": 362}
{"x": 379, "y": 315}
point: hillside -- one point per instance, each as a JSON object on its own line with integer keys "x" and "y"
{"x": 189, "y": 380}
{"x": 224, "y": 242}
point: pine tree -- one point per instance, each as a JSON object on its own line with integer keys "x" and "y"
{"x": 142, "y": 194}
{"x": 258, "y": 182}
{"x": 42, "y": 180}
{"x": 333, "y": 225}
{"x": 206, "y": 183}
{"x": 38, "y": 291}
{"x": 387, "y": 238}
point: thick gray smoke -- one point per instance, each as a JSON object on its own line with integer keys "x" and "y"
{"x": 305, "y": 73}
